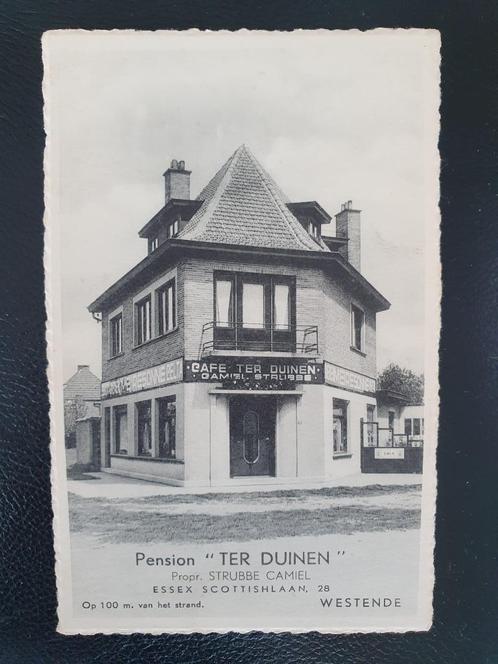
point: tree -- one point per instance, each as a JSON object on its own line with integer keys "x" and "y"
{"x": 404, "y": 381}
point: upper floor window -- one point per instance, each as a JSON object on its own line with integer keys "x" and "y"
{"x": 116, "y": 335}
{"x": 255, "y": 312}
{"x": 357, "y": 325}
{"x": 166, "y": 308}
{"x": 224, "y": 302}
{"x": 143, "y": 320}
{"x": 153, "y": 244}
{"x": 281, "y": 306}
{"x": 253, "y": 305}
{"x": 173, "y": 228}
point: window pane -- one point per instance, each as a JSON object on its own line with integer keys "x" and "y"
{"x": 171, "y": 321}
{"x": 250, "y": 427}
{"x": 340, "y": 426}
{"x": 281, "y": 313}
{"x": 121, "y": 430}
{"x": 408, "y": 427}
{"x": 144, "y": 428}
{"x": 416, "y": 427}
{"x": 224, "y": 303}
{"x": 167, "y": 428}
{"x": 356, "y": 327}
{"x": 253, "y": 314}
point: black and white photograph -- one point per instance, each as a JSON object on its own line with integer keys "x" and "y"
{"x": 243, "y": 295}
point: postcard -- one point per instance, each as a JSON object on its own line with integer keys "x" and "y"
{"x": 243, "y": 293}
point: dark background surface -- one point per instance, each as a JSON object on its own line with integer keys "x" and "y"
{"x": 466, "y": 615}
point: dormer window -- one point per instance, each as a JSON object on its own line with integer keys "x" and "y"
{"x": 314, "y": 229}
{"x": 173, "y": 228}
{"x": 153, "y": 244}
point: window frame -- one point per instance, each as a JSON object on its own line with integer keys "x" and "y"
{"x": 151, "y": 291}
{"x": 147, "y": 403}
{"x": 232, "y": 306}
{"x": 166, "y": 400}
{"x": 355, "y": 307}
{"x": 118, "y": 411}
{"x": 173, "y": 228}
{"x": 159, "y": 314}
{"x": 112, "y": 321}
{"x": 269, "y": 281}
{"x": 346, "y": 405}
{"x": 139, "y": 341}
{"x": 153, "y": 243}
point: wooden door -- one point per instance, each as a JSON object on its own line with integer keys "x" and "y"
{"x": 252, "y": 436}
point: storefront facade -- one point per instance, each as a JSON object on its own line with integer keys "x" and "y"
{"x": 242, "y": 349}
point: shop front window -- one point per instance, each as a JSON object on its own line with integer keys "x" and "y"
{"x": 416, "y": 426}
{"x": 120, "y": 429}
{"x": 340, "y": 426}
{"x": 144, "y": 433}
{"x": 167, "y": 428}
{"x": 408, "y": 426}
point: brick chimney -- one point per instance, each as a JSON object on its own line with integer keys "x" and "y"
{"x": 177, "y": 181}
{"x": 348, "y": 225}
{"x": 83, "y": 366}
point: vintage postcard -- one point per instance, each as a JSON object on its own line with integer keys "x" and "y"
{"x": 243, "y": 286}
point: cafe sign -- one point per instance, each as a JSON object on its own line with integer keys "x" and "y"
{"x": 349, "y": 380}
{"x": 252, "y": 373}
{"x": 162, "y": 374}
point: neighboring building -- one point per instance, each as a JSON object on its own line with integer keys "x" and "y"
{"x": 81, "y": 399}
{"x": 242, "y": 348}
{"x": 401, "y": 421}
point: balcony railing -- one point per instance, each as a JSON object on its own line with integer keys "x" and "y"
{"x": 298, "y": 339}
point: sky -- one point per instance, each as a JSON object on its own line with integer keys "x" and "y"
{"x": 332, "y": 116}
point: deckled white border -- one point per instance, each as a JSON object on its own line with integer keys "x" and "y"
{"x": 422, "y": 621}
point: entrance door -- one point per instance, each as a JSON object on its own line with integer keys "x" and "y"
{"x": 252, "y": 436}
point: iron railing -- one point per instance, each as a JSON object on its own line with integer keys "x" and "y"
{"x": 300, "y": 339}
{"x": 372, "y": 435}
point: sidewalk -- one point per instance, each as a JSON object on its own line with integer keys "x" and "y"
{"x": 107, "y": 485}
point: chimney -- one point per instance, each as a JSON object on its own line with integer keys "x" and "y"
{"x": 177, "y": 181}
{"x": 348, "y": 225}
{"x": 83, "y": 366}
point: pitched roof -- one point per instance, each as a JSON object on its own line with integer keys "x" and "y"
{"x": 83, "y": 384}
{"x": 242, "y": 205}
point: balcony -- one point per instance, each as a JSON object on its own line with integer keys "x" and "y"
{"x": 237, "y": 338}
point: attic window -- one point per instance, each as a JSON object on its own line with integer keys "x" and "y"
{"x": 314, "y": 229}
{"x": 173, "y": 228}
{"x": 154, "y": 243}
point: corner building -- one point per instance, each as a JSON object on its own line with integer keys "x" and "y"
{"x": 241, "y": 350}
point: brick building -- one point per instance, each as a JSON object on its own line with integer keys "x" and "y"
{"x": 241, "y": 349}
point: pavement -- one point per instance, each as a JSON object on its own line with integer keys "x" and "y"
{"x": 107, "y": 485}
